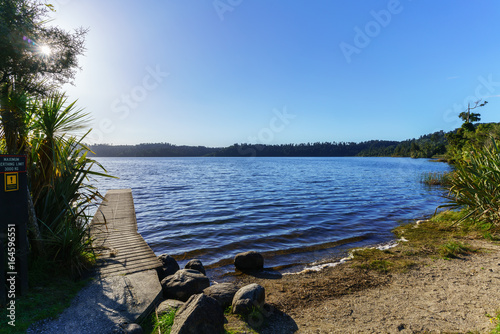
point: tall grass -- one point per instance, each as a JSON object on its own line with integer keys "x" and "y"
{"x": 437, "y": 178}
{"x": 475, "y": 186}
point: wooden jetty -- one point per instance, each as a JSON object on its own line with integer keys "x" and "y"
{"x": 122, "y": 250}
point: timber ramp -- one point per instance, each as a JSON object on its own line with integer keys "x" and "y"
{"x": 125, "y": 288}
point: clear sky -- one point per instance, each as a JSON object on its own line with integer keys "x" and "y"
{"x": 215, "y": 73}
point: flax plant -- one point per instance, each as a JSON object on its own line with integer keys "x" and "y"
{"x": 60, "y": 171}
{"x": 475, "y": 186}
{"x": 59, "y": 174}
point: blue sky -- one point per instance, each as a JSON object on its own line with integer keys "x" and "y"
{"x": 220, "y": 72}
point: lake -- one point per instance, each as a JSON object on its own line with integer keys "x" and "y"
{"x": 293, "y": 210}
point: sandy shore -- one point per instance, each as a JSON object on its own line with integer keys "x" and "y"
{"x": 438, "y": 296}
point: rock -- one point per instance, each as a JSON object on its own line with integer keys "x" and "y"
{"x": 249, "y": 296}
{"x": 249, "y": 261}
{"x": 132, "y": 329}
{"x": 196, "y": 265}
{"x": 183, "y": 284}
{"x": 169, "y": 266}
{"x": 167, "y": 305}
{"x": 223, "y": 293}
{"x": 200, "y": 315}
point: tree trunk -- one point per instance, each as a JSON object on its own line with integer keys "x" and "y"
{"x": 37, "y": 241}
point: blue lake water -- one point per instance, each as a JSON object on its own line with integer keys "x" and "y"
{"x": 294, "y": 210}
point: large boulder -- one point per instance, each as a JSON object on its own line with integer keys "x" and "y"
{"x": 168, "y": 266}
{"x": 196, "y": 265}
{"x": 183, "y": 284}
{"x": 200, "y": 315}
{"x": 249, "y": 261}
{"x": 223, "y": 293}
{"x": 249, "y": 296}
{"x": 168, "y": 305}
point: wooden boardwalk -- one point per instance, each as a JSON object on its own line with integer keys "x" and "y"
{"x": 122, "y": 250}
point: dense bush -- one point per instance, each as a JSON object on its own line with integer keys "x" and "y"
{"x": 475, "y": 185}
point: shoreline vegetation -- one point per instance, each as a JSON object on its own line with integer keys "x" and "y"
{"x": 438, "y": 145}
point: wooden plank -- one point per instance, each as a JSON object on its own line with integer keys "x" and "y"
{"x": 129, "y": 263}
{"x": 119, "y": 236}
{"x": 126, "y": 258}
{"x": 131, "y": 268}
{"x": 116, "y": 244}
{"x": 114, "y": 228}
{"x": 125, "y": 270}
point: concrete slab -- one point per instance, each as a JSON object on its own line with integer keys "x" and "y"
{"x": 106, "y": 303}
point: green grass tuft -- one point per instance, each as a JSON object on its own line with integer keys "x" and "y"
{"x": 436, "y": 179}
{"x": 165, "y": 322}
{"x": 453, "y": 249}
{"x": 495, "y": 320}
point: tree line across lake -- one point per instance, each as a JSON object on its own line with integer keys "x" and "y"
{"x": 426, "y": 146}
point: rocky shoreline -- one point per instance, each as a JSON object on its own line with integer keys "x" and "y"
{"x": 200, "y": 306}
{"x": 437, "y": 296}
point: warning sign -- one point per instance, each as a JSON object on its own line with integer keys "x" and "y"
{"x": 12, "y": 163}
{"x": 11, "y": 181}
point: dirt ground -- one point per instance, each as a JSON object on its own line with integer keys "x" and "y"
{"x": 437, "y": 296}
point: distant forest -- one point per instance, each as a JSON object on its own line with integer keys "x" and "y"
{"x": 426, "y": 146}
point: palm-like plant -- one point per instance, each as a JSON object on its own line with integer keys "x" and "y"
{"x": 54, "y": 125}
{"x": 475, "y": 185}
{"x": 59, "y": 173}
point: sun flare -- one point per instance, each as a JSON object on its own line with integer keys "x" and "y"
{"x": 45, "y": 50}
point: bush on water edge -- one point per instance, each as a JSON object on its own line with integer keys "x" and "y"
{"x": 475, "y": 186}
{"x": 436, "y": 178}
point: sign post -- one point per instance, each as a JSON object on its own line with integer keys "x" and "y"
{"x": 13, "y": 229}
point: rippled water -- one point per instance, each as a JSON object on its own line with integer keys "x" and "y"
{"x": 294, "y": 210}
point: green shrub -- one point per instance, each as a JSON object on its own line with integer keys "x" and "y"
{"x": 475, "y": 186}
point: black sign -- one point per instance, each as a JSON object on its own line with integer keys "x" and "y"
{"x": 13, "y": 229}
{"x": 12, "y": 164}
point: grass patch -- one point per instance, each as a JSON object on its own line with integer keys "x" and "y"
{"x": 436, "y": 179}
{"x": 237, "y": 324}
{"x": 443, "y": 236}
{"x": 496, "y": 321}
{"x": 48, "y": 296}
{"x": 382, "y": 261}
{"x": 165, "y": 322}
{"x": 453, "y": 249}
{"x": 496, "y": 330}
{"x": 429, "y": 236}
